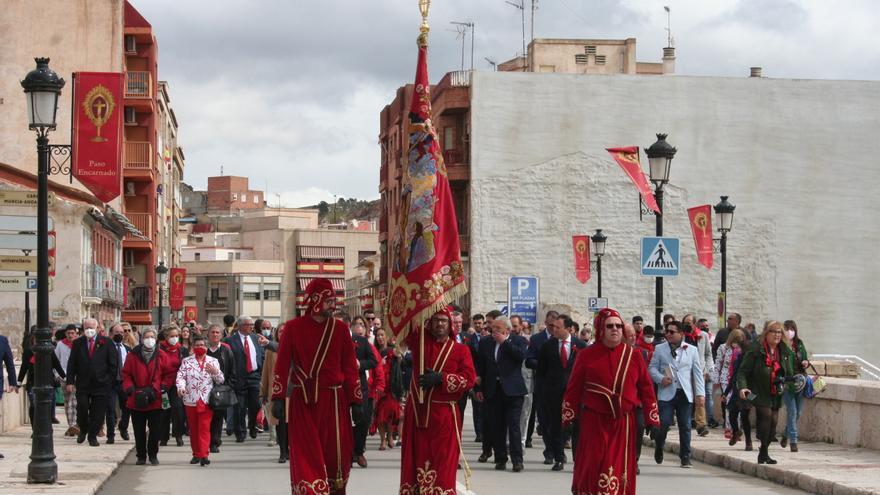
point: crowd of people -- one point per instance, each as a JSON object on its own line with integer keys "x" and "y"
{"x": 594, "y": 390}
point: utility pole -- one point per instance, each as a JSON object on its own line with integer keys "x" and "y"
{"x": 534, "y": 8}
{"x": 522, "y": 8}
{"x": 462, "y": 31}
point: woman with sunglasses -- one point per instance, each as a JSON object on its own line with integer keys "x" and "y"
{"x": 608, "y": 382}
{"x": 761, "y": 380}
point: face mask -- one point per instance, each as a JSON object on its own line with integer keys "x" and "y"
{"x": 790, "y": 334}
{"x": 150, "y": 342}
{"x": 200, "y": 351}
{"x": 117, "y": 338}
{"x": 267, "y": 333}
{"x": 649, "y": 339}
{"x": 90, "y": 333}
{"x": 173, "y": 340}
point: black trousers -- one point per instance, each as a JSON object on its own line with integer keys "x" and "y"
{"x": 766, "y": 423}
{"x": 553, "y": 435}
{"x": 362, "y": 427}
{"x": 477, "y": 408}
{"x": 281, "y": 435}
{"x": 117, "y": 396}
{"x": 506, "y": 412}
{"x": 217, "y": 427}
{"x": 173, "y": 418}
{"x": 141, "y": 420}
{"x": 90, "y": 411}
{"x": 639, "y": 433}
{"x": 248, "y": 406}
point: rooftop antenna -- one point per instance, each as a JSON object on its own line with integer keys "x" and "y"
{"x": 221, "y": 170}
{"x": 493, "y": 63}
{"x": 668, "y": 26}
{"x": 534, "y": 8}
{"x": 462, "y": 30}
{"x": 522, "y": 9}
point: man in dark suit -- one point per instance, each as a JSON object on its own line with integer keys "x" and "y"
{"x": 503, "y": 388}
{"x": 366, "y": 363}
{"x": 117, "y": 395}
{"x": 535, "y": 342}
{"x": 91, "y": 372}
{"x": 6, "y": 360}
{"x": 555, "y": 361}
{"x": 472, "y": 340}
{"x": 486, "y": 419}
{"x": 248, "y": 354}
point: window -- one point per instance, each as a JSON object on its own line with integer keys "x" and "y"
{"x": 271, "y": 292}
{"x": 244, "y": 197}
{"x": 365, "y": 254}
{"x": 448, "y": 138}
{"x": 235, "y": 196}
{"x": 600, "y": 59}
{"x": 230, "y": 256}
{"x": 256, "y": 199}
{"x": 197, "y": 256}
{"x": 590, "y": 49}
{"x": 251, "y": 296}
{"x": 237, "y": 255}
{"x": 580, "y": 58}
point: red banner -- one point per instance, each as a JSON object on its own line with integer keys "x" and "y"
{"x": 581, "y": 246}
{"x": 190, "y": 313}
{"x": 97, "y": 132}
{"x": 177, "y": 289}
{"x": 700, "y": 218}
{"x": 628, "y": 159}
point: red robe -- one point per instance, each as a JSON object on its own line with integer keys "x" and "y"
{"x": 319, "y": 362}
{"x": 605, "y": 387}
{"x": 432, "y": 428}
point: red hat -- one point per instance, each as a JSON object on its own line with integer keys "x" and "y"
{"x": 448, "y": 312}
{"x": 599, "y": 321}
{"x": 317, "y": 291}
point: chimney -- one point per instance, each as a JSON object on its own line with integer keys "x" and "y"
{"x": 755, "y": 72}
{"x": 668, "y": 61}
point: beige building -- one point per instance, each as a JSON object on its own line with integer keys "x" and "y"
{"x": 588, "y": 56}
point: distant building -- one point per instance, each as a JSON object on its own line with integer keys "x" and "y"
{"x": 229, "y": 194}
{"x": 588, "y": 56}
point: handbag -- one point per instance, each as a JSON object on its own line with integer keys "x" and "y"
{"x": 817, "y": 384}
{"x": 222, "y": 396}
{"x": 145, "y": 396}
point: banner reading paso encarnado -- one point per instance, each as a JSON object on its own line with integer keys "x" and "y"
{"x": 97, "y": 132}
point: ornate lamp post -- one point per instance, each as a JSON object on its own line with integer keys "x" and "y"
{"x": 599, "y": 249}
{"x": 42, "y": 87}
{"x": 660, "y": 156}
{"x": 724, "y": 220}
{"x": 161, "y": 278}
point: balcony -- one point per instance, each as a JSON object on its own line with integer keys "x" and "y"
{"x": 140, "y": 298}
{"x": 138, "y": 84}
{"x": 103, "y": 283}
{"x": 215, "y": 302}
{"x": 144, "y": 223}
{"x": 138, "y": 160}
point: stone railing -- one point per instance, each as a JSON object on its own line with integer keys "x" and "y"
{"x": 846, "y": 413}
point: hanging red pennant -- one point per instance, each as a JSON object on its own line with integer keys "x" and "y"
{"x": 700, "y": 218}
{"x": 97, "y": 132}
{"x": 581, "y": 246}
{"x": 178, "y": 288}
{"x": 628, "y": 159}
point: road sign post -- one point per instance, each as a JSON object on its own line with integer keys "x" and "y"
{"x": 522, "y": 298}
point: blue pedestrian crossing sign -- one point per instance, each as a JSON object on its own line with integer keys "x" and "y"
{"x": 660, "y": 256}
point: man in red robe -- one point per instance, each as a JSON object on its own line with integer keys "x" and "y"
{"x": 609, "y": 381}
{"x": 318, "y": 370}
{"x": 443, "y": 371}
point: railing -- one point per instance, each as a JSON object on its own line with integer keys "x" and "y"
{"x": 460, "y": 78}
{"x": 140, "y": 298}
{"x": 143, "y": 222}
{"x": 138, "y": 84}
{"x": 102, "y": 282}
{"x": 867, "y": 371}
{"x": 138, "y": 155}
{"x": 220, "y": 301}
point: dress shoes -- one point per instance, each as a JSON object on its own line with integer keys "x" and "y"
{"x": 784, "y": 442}
{"x": 765, "y": 459}
{"x": 529, "y": 443}
{"x": 794, "y": 447}
{"x": 215, "y": 449}
{"x": 478, "y": 439}
{"x": 658, "y": 455}
{"x": 239, "y": 439}
{"x": 282, "y": 460}
{"x": 548, "y": 461}
{"x": 140, "y": 461}
{"x": 110, "y": 440}
{"x": 483, "y": 458}
{"x": 124, "y": 435}
{"x": 558, "y": 466}
{"x": 253, "y": 432}
{"x": 179, "y": 441}
{"x": 205, "y": 461}
{"x": 94, "y": 442}
{"x": 361, "y": 461}
{"x": 500, "y": 466}
{"x": 163, "y": 443}
{"x": 517, "y": 466}
{"x": 195, "y": 460}
{"x": 80, "y": 437}
{"x": 154, "y": 461}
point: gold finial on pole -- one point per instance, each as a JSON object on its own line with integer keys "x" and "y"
{"x": 424, "y": 5}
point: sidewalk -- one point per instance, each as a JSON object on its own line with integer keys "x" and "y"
{"x": 822, "y": 468}
{"x": 81, "y": 469}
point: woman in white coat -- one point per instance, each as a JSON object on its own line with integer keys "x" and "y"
{"x": 196, "y": 377}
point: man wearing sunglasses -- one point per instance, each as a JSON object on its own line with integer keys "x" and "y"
{"x": 675, "y": 368}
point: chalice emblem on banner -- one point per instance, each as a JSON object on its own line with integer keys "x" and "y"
{"x": 701, "y": 222}
{"x": 99, "y": 106}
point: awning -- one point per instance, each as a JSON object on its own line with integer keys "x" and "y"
{"x": 321, "y": 253}
{"x": 338, "y": 283}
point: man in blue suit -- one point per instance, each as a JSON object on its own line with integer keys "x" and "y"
{"x": 499, "y": 364}
{"x": 535, "y": 342}
{"x": 6, "y": 359}
{"x": 248, "y": 356}
{"x": 675, "y": 368}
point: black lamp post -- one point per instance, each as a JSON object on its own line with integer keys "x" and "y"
{"x": 724, "y": 220}
{"x": 660, "y": 156}
{"x": 599, "y": 250}
{"x": 42, "y": 87}
{"x": 161, "y": 278}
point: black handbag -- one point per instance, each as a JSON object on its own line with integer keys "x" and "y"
{"x": 145, "y": 396}
{"x": 222, "y": 396}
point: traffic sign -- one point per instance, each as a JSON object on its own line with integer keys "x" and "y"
{"x": 596, "y": 303}
{"x": 23, "y": 241}
{"x": 22, "y": 198}
{"x": 522, "y": 298}
{"x": 20, "y": 223}
{"x": 20, "y": 284}
{"x": 18, "y": 263}
{"x": 660, "y": 256}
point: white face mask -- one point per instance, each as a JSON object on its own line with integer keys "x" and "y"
{"x": 173, "y": 340}
{"x": 90, "y": 333}
{"x": 790, "y": 334}
{"x": 267, "y": 333}
{"x": 649, "y": 339}
{"x": 150, "y": 342}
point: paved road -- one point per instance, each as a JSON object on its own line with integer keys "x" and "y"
{"x": 251, "y": 468}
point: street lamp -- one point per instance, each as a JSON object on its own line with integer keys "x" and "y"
{"x": 161, "y": 278}
{"x": 724, "y": 220}
{"x": 599, "y": 249}
{"x": 660, "y": 156}
{"x": 42, "y": 87}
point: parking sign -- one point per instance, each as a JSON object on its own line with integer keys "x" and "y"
{"x": 522, "y": 298}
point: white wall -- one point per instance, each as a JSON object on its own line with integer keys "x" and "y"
{"x": 793, "y": 155}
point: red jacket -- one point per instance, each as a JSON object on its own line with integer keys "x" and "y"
{"x": 174, "y": 354}
{"x": 138, "y": 374}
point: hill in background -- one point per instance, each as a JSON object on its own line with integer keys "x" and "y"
{"x": 346, "y": 209}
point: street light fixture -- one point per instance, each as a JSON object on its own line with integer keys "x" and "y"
{"x": 660, "y": 156}
{"x": 599, "y": 250}
{"x": 724, "y": 220}
{"x": 42, "y": 87}
{"x": 161, "y": 278}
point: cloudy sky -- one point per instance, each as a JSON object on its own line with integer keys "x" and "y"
{"x": 288, "y": 92}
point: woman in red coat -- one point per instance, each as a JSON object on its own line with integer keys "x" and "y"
{"x": 142, "y": 381}
{"x": 387, "y": 415}
{"x": 609, "y": 381}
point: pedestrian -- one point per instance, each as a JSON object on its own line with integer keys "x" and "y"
{"x": 117, "y": 392}
{"x": 761, "y": 381}
{"x": 432, "y": 429}
{"x": 6, "y": 361}
{"x": 91, "y": 369}
{"x": 645, "y": 342}
{"x": 317, "y": 359}
{"x": 263, "y": 331}
{"x": 517, "y": 328}
{"x": 367, "y": 362}
{"x": 609, "y": 380}
{"x": 196, "y": 378}
{"x": 142, "y": 377}
{"x": 501, "y": 385}
{"x": 556, "y": 359}
{"x": 62, "y": 351}
{"x": 173, "y": 417}
{"x": 228, "y": 325}
{"x": 220, "y": 351}
{"x": 129, "y": 335}
{"x": 734, "y": 321}
{"x": 276, "y": 425}
{"x": 536, "y": 415}
{"x": 387, "y": 416}
{"x": 186, "y": 337}
{"x": 675, "y": 368}
{"x": 27, "y": 375}
{"x": 729, "y": 358}
{"x": 631, "y": 337}
{"x": 472, "y": 340}
{"x": 248, "y": 369}
{"x": 695, "y": 337}
{"x": 793, "y": 399}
